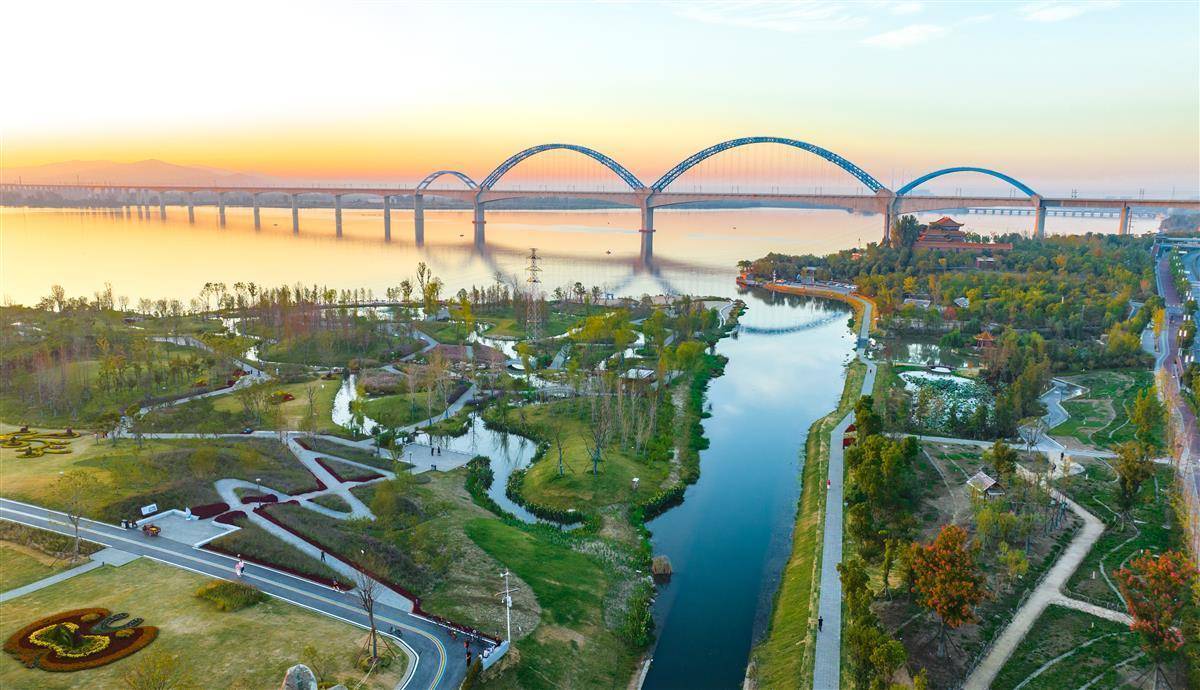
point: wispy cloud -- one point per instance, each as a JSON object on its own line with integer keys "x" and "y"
{"x": 905, "y": 36}
{"x": 1054, "y": 11}
{"x": 794, "y": 17}
{"x": 907, "y": 7}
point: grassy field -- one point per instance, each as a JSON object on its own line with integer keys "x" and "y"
{"x": 578, "y": 487}
{"x": 248, "y": 649}
{"x": 226, "y": 414}
{"x": 21, "y": 565}
{"x": 572, "y": 647}
{"x": 354, "y": 453}
{"x": 784, "y": 658}
{"x": 332, "y": 502}
{"x": 403, "y": 409}
{"x": 1152, "y": 528}
{"x": 87, "y": 401}
{"x": 174, "y": 474}
{"x": 1071, "y": 648}
{"x": 1100, "y": 417}
{"x": 263, "y": 547}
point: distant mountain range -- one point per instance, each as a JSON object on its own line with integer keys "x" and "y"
{"x": 151, "y": 171}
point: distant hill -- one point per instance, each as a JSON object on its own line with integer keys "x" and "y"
{"x": 151, "y": 171}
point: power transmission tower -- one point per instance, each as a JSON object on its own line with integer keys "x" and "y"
{"x": 533, "y": 310}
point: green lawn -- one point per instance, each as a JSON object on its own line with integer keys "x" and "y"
{"x": 20, "y": 565}
{"x": 578, "y": 487}
{"x": 1100, "y": 417}
{"x": 403, "y": 409}
{"x": 261, "y": 546}
{"x": 1077, "y": 646}
{"x": 572, "y": 647}
{"x": 173, "y": 474}
{"x": 251, "y": 648}
{"x": 82, "y": 400}
{"x": 1153, "y": 528}
{"x": 227, "y": 414}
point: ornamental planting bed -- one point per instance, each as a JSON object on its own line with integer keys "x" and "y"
{"x": 79, "y": 639}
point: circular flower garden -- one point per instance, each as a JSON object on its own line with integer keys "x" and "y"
{"x": 79, "y": 639}
{"x": 33, "y": 444}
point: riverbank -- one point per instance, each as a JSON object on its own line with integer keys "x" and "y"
{"x": 784, "y": 658}
{"x": 786, "y": 655}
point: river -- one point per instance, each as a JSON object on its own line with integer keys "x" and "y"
{"x": 729, "y": 540}
{"x": 696, "y": 250}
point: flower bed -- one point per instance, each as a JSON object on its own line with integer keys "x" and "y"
{"x": 256, "y": 498}
{"x": 375, "y": 576}
{"x": 78, "y": 640}
{"x": 362, "y": 475}
{"x": 209, "y": 510}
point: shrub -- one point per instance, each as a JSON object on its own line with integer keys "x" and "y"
{"x": 230, "y": 596}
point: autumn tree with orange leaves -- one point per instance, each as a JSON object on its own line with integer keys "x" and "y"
{"x": 947, "y": 580}
{"x": 1156, "y": 589}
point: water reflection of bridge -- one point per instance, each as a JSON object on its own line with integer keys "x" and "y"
{"x": 871, "y": 196}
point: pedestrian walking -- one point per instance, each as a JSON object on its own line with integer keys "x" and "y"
{"x": 828, "y": 483}
{"x": 820, "y": 623}
{"x": 239, "y": 566}
{"x": 322, "y": 556}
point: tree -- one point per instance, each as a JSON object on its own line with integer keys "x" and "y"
{"x": 947, "y": 580}
{"x": 905, "y": 231}
{"x": 1133, "y": 468}
{"x": 866, "y": 421}
{"x": 1146, "y": 413}
{"x": 321, "y": 665}
{"x": 1002, "y": 457}
{"x": 158, "y": 670}
{"x": 367, "y": 590}
{"x": 1156, "y": 589}
{"x": 75, "y": 492}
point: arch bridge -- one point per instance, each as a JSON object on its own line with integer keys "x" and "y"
{"x": 875, "y": 197}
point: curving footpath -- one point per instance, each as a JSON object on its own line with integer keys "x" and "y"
{"x": 437, "y": 660}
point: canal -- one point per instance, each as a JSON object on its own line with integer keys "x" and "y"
{"x": 730, "y": 539}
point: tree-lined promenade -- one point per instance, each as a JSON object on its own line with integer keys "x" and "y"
{"x": 936, "y": 561}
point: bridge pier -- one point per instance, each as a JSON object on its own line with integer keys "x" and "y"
{"x": 889, "y": 217}
{"x": 221, "y": 207}
{"x": 337, "y": 213}
{"x": 257, "y": 215}
{"x": 1039, "y": 217}
{"x": 139, "y": 199}
{"x": 295, "y": 215}
{"x": 387, "y": 218}
{"x": 479, "y": 222}
{"x": 647, "y": 231}
{"x": 1123, "y": 223}
{"x": 191, "y": 204}
{"x": 162, "y": 206}
{"x": 419, "y": 219}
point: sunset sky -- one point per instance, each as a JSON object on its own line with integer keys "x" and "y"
{"x": 1098, "y": 96}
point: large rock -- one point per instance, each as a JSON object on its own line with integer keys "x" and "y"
{"x": 299, "y": 677}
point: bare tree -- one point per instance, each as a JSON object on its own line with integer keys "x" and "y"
{"x": 367, "y": 590}
{"x": 600, "y": 428}
{"x": 75, "y": 492}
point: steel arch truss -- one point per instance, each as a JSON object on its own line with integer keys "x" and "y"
{"x": 494, "y": 177}
{"x": 424, "y": 184}
{"x": 694, "y": 159}
{"x": 947, "y": 171}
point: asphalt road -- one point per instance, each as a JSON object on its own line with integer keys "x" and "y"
{"x": 438, "y": 660}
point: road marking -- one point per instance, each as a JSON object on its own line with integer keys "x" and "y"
{"x": 53, "y": 518}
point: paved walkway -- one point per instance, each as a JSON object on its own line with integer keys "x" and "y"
{"x": 103, "y": 557}
{"x": 1049, "y": 591}
{"x": 425, "y": 641}
{"x": 827, "y": 667}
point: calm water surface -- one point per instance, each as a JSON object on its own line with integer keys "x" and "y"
{"x": 728, "y": 541}
{"x": 696, "y": 250}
